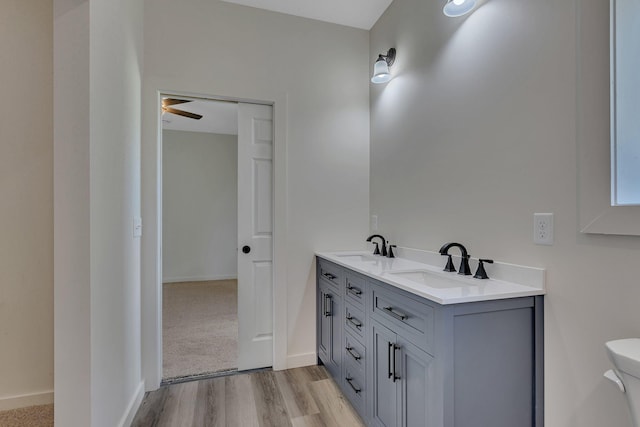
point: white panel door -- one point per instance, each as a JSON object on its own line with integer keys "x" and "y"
{"x": 255, "y": 226}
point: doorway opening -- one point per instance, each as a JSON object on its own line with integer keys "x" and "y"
{"x": 216, "y": 197}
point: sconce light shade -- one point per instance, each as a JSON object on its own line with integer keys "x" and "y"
{"x": 455, "y": 8}
{"x": 381, "y": 72}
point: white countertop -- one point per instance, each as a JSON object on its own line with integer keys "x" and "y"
{"x": 430, "y": 282}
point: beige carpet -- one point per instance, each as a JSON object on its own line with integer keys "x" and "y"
{"x": 199, "y": 328}
{"x": 32, "y": 416}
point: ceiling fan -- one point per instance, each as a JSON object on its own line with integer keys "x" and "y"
{"x": 166, "y": 108}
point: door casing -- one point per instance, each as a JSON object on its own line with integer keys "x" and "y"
{"x": 152, "y": 270}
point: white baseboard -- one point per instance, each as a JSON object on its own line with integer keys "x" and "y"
{"x": 132, "y": 408}
{"x": 24, "y": 400}
{"x": 198, "y": 278}
{"x": 303, "y": 359}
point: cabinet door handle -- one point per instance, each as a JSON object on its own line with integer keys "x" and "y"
{"x": 389, "y": 360}
{"x": 354, "y": 321}
{"x": 327, "y": 305}
{"x": 396, "y": 314}
{"x": 329, "y": 276}
{"x": 324, "y": 304}
{"x": 395, "y": 376}
{"x": 356, "y": 389}
{"x": 353, "y": 353}
{"x": 355, "y": 291}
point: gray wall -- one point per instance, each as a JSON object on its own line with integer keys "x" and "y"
{"x": 200, "y": 206}
{"x": 26, "y": 203}
{"x": 476, "y": 132}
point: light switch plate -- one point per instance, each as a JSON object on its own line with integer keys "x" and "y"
{"x": 137, "y": 226}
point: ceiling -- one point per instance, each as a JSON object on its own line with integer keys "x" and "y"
{"x": 353, "y": 13}
{"x": 217, "y": 117}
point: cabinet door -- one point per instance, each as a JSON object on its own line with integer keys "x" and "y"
{"x": 336, "y": 308}
{"x": 415, "y": 368}
{"x": 324, "y": 326}
{"x": 384, "y": 388}
{"x": 329, "y": 328}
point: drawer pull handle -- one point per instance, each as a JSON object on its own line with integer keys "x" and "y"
{"x": 355, "y": 322}
{"x": 395, "y": 314}
{"x": 353, "y": 353}
{"x": 356, "y": 389}
{"x": 355, "y": 291}
{"x": 329, "y": 276}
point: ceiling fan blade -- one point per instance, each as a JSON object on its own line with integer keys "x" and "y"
{"x": 182, "y": 113}
{"x": 171, "y": 101}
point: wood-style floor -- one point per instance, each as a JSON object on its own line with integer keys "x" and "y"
{"x": 296, "y": 397}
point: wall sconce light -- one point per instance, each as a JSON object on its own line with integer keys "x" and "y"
{"x": 381, "y": 67}
{"x": 455, "y": 8}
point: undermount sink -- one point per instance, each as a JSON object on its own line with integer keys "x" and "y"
{"x": 357, "y": 258}
{"x": 428, "y": 278}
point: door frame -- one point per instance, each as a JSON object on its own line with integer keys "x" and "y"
{"x": 151, "y": 283}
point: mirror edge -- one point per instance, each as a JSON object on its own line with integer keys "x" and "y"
{"x": 593, "y": 85}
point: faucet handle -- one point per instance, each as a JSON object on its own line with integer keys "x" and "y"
{"x": 390, "y": 253}
{"x": 376, "y": 251}
{"x": 465, "y": 270}
{"x": 449, "y": 266}
{"x": 480, "y": 272}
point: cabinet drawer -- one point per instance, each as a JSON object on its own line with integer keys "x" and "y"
{"x": 355, "y": 387}
{"x": 409, "y": 317}
{"x": 354, "y": 320}
{"x": 331, "y": 272}
{"x": 354, "y": 352}
{"x": 355, "y": 290}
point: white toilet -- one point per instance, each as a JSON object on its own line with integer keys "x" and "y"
{"x": 625, "y": 355}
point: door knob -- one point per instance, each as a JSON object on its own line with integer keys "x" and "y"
{"x": 246, "y": 249}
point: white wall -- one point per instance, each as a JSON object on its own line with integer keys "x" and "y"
{"x": 317, "y": 76}
{"x": 26, "y": 210}
{"x": 200, "y": 206}
{"x": 476, "y": 132}
{"x": 72, "y": 339}
{"x": 97, "y": 86}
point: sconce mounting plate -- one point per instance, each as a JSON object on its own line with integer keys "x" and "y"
{"x": 390, "y": 57}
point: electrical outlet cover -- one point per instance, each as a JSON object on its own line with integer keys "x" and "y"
{"x": 543, "y": 228}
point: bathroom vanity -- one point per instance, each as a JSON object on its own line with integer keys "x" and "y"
{"x": 412, "y": 346}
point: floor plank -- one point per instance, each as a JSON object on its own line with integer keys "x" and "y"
{"x": 294, "y": 386}
{"x": 179, "y": 405}
{"x": 301, "y": 397}
{"x": 151, "y": 408}
{"x": 210, "y": 403}
{"x": 335, "y": 410}
{"x": 240, "y": 404}
{"x": 269, "y": 401}
{"x": 313, "y": 420}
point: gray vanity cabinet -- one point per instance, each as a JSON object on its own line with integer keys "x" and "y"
{"x": 415, "y": 363}
{"x": 402, "y": 381}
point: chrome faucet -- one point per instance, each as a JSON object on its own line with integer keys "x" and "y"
{"x": 377, "y": 250}
{"x": 464, "y": 262}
